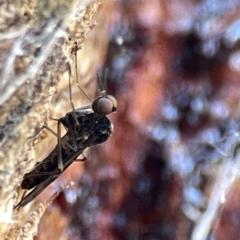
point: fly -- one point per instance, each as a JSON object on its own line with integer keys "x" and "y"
{"x": 85, "y": 128}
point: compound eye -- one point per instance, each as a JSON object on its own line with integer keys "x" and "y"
{"x": 114, "y": 102}
{"x": 104, "y": 105}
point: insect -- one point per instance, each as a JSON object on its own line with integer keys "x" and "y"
{"x": 85, "y": 127}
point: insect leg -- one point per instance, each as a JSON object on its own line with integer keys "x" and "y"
{"x": 70, "y": 86}
{"x": 58, "y": 135}
{"x": 54, "y": 133}
{"x": 71, "y": 133}
{"x": 48, "y": 128}
{"x": 74, "y": 51}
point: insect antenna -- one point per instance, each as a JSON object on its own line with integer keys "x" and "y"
{"x": 104, "y": 104}
{"x": 102, "y": 81}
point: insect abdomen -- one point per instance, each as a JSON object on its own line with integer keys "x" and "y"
{"x": 36, "y": 176}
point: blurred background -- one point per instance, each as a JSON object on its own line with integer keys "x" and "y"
{"x": 174, "y": 69}
{"x": 171, "y": 167}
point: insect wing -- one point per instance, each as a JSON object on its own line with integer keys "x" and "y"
{"x": 100, "y": 133}
{"x": 47, "y": 181}
{"x": 36, "y": 191}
